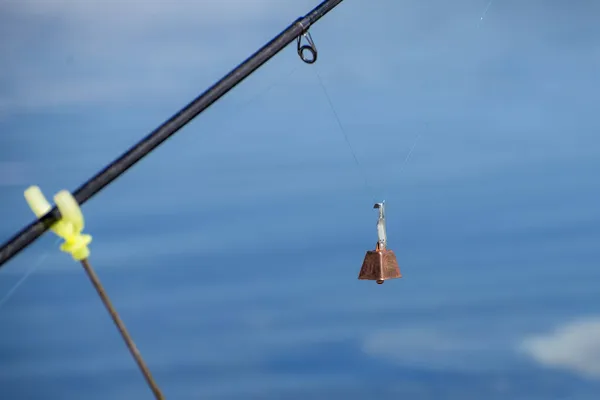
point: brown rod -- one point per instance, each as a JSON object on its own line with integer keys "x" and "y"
{"x": 121, "y": 326}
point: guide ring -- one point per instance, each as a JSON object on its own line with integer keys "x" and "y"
{"x": 310, "y": 47}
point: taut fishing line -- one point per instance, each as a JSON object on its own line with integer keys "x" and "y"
{"x": 484, "y": 12}
{"x": 244, "y": 106}
{"x": 25, "y": 276}
{"x": 274, "y": 83}
{"x": 368, "y": 187}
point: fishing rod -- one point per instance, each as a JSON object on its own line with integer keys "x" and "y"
{"x": 298, "y": 30}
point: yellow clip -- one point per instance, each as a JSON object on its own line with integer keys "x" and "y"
{"x": 71, "y": 224}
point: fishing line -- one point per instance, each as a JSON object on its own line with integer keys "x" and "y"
{"x": 273, "y": 84}
{"x": 244, "y": 106}
{"x": 484, "y": 13}
{"x": 368, "y": 187}
{"x": 410, "y": 152}
{"x": 27, "y": 274}
{"x": 412, "y": 148}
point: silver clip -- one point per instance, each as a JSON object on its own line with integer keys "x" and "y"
{"x": 381, "y": 231}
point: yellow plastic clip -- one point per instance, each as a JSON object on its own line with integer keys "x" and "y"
{"x": 71, "y": 224}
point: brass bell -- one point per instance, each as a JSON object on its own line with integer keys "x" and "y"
{"x": 380, "y": 264}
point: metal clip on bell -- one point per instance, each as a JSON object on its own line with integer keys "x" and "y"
{"x": 380, "y": 264}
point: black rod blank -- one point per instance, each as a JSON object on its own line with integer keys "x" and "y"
{"x": 103, "y": 178}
